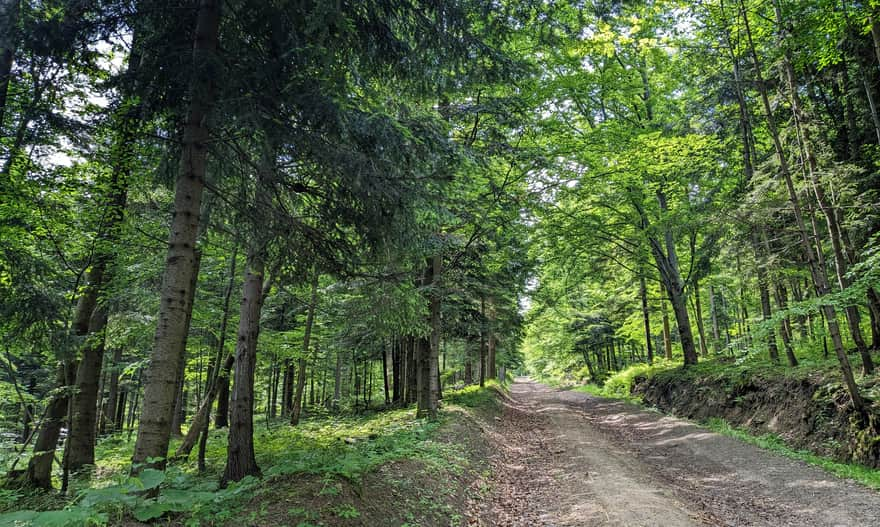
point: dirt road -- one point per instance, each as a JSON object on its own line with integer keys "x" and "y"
{"x": 565, "y": 459}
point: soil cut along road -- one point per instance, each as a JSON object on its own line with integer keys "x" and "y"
{"x": 565, "y": 459}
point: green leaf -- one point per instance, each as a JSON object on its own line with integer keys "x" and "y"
{"x": 151, "y": 478}
{"x": 150, "y": 511}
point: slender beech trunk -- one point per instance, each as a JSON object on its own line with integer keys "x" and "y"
{"x": 667, "y": 334}
{"x": 646, "y": 316}
{"x": 820, "y": 280}
{"x": 482, "y": 341}
{"x": 764, "y": 290}
{"x": 301, "y": 366}
{"x": 109, "y": 422}
{"x": 337, "y": 381}
{"x": 165, "y": 362}
{"x": 698, "y": 313}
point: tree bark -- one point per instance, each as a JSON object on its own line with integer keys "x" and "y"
{"x": 482, "y": 341}
{"x": 818, "y": 273}
{"x": 698, "y": 312}
{"x": 39, "y": 470}
{"x": 430, "y": 368}
{"x": 827, "y": 208}
{"x": 155, "y": 423}
{"x": 109, "y": 422}
{"x": 240, "y": 458}
{"x": 385, "y": 374}
{"x": 646, "y": 317}
{"x": 301, "y": 374}
{"x": 337, "y": 381}
{"x": 8, "y": 43}
{"x": 81, "y": 436}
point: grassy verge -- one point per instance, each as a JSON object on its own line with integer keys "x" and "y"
{"x": 865, "y": 475}
{"x": 333, "y": 453}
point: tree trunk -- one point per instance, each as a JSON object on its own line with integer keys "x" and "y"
{"x": 109, "y": 423}
{"x": 81, "y": 436}
{"x": 301, "y": 374}
{"x": 828, "y": 210}
{"x": 165, "y": 362}
{"x": 221, "y": 420}
{"x": 646, "y": 316}
{"x": 698, "y": 312}
{"x": 818, "y": 273}
{"x": 396, "y": 371}
{"x": 430, "y": 356}
{"x": 39, "y": 470}
{"x": 8, "y": 43}
{"x": 667, "y": 334}
{"x": 411, "y": 371}
{"x": 482, "y": 341}
{"x": 240, "y": 458}
{"x": 337, "y": 379}
{"x": 385, "y": 374}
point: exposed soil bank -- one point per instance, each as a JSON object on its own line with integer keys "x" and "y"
{"x": 811, "y": 413}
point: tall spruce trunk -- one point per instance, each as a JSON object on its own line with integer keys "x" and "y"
{"x": 396, "y": 371}
{"x": 385, "y": 374}
{"x": 430, "y": 353}
{"x": 39, "y": 469}
{"x": 240, "y": 458}
{"x": 296, "y": 411}
{"x": 81, "y": 437}
{"x": 165, "y": 361}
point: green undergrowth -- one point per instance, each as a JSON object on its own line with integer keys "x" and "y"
{"x": 731, "y": 371}
{"x": 619, "y": 385}
{"x": 332, "y": 448}
{"x": 865, "y": 475}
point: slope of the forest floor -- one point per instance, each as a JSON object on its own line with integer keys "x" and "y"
{"x": 379, "y": 469}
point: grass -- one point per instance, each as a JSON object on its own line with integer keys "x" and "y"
{"x": 865, "y": 475}
{"x": 332, "y": 448}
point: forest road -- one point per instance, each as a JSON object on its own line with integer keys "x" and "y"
{"x": 565, "y": 459}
